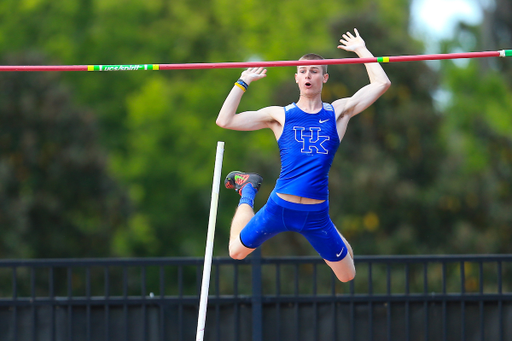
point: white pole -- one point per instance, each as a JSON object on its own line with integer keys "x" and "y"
{"x": 203, "y": 301}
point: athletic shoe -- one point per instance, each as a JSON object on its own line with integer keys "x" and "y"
{"x": 237, "y": 180}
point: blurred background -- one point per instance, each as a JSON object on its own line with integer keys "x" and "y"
{"x": 120, "y": 164}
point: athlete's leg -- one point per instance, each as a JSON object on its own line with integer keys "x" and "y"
{"x": 344, "y": 269}
{"x": 330, "y": 244}
{"x": 243, "y": 215}
{"x": 349, "y": 248}
{"x": 247, "y": 185}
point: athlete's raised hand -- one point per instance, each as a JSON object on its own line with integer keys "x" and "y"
{"x": 349, "y": 42}
{"x": 253, "y": 74}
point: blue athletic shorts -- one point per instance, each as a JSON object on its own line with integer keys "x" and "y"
{"x": 312, "y": 221}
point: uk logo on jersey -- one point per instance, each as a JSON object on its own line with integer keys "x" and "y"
{"x": 311, "y": 140}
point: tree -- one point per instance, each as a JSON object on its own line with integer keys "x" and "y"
{"x": 390, "y": 182}
{"x": 57, "y": 198}
{"x": 474, "y": 182}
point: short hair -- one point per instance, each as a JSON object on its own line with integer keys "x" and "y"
{"x": 314, "y": 56}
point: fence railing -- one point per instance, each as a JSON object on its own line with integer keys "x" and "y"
{"x": 466, "y": 297}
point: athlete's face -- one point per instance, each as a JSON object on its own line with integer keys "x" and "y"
{"x": 310, "y": 79}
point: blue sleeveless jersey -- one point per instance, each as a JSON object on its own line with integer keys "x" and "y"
{"x": 307, "y": 147}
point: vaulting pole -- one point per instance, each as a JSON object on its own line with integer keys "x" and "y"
{"x": 232, "y": 65}
{"x": 208, "y": 256}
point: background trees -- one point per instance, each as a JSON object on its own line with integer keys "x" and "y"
{"x": 411, "y": 176}
{"x": 56, "y": 196}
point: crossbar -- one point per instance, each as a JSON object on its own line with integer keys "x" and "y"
{"x": 232, "y": 65}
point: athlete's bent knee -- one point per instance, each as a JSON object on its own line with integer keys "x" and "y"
{"x": 344, "y": 270}
{"x": 237, "y": 255}
{"x": 347, "y": 276}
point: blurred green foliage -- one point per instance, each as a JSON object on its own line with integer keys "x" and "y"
{"x": 56, "y": 196}
{"x": 410, "y": 177}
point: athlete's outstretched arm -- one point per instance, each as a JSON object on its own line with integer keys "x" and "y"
{"x": 248, "y": 120}
{"x": 379, "y": 81}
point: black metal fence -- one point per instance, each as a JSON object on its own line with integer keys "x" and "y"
{"x": 392, "y": 298}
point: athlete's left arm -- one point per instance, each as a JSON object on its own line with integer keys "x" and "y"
{"x": 364, "y": 97}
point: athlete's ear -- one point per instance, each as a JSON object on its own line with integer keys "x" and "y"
{"x": 296, "y": 80}
{"x": 326, "y": 77}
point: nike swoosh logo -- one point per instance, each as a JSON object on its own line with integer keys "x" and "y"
{"x": 339, "y": 254}
{"x": 323, "y": 121}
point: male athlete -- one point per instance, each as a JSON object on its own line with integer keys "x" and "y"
{"x": 308, "y": 134}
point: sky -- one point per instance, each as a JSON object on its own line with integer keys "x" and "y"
{"x": 436, "y": 19}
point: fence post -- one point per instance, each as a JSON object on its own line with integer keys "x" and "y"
{"x": 257, "y": 308}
